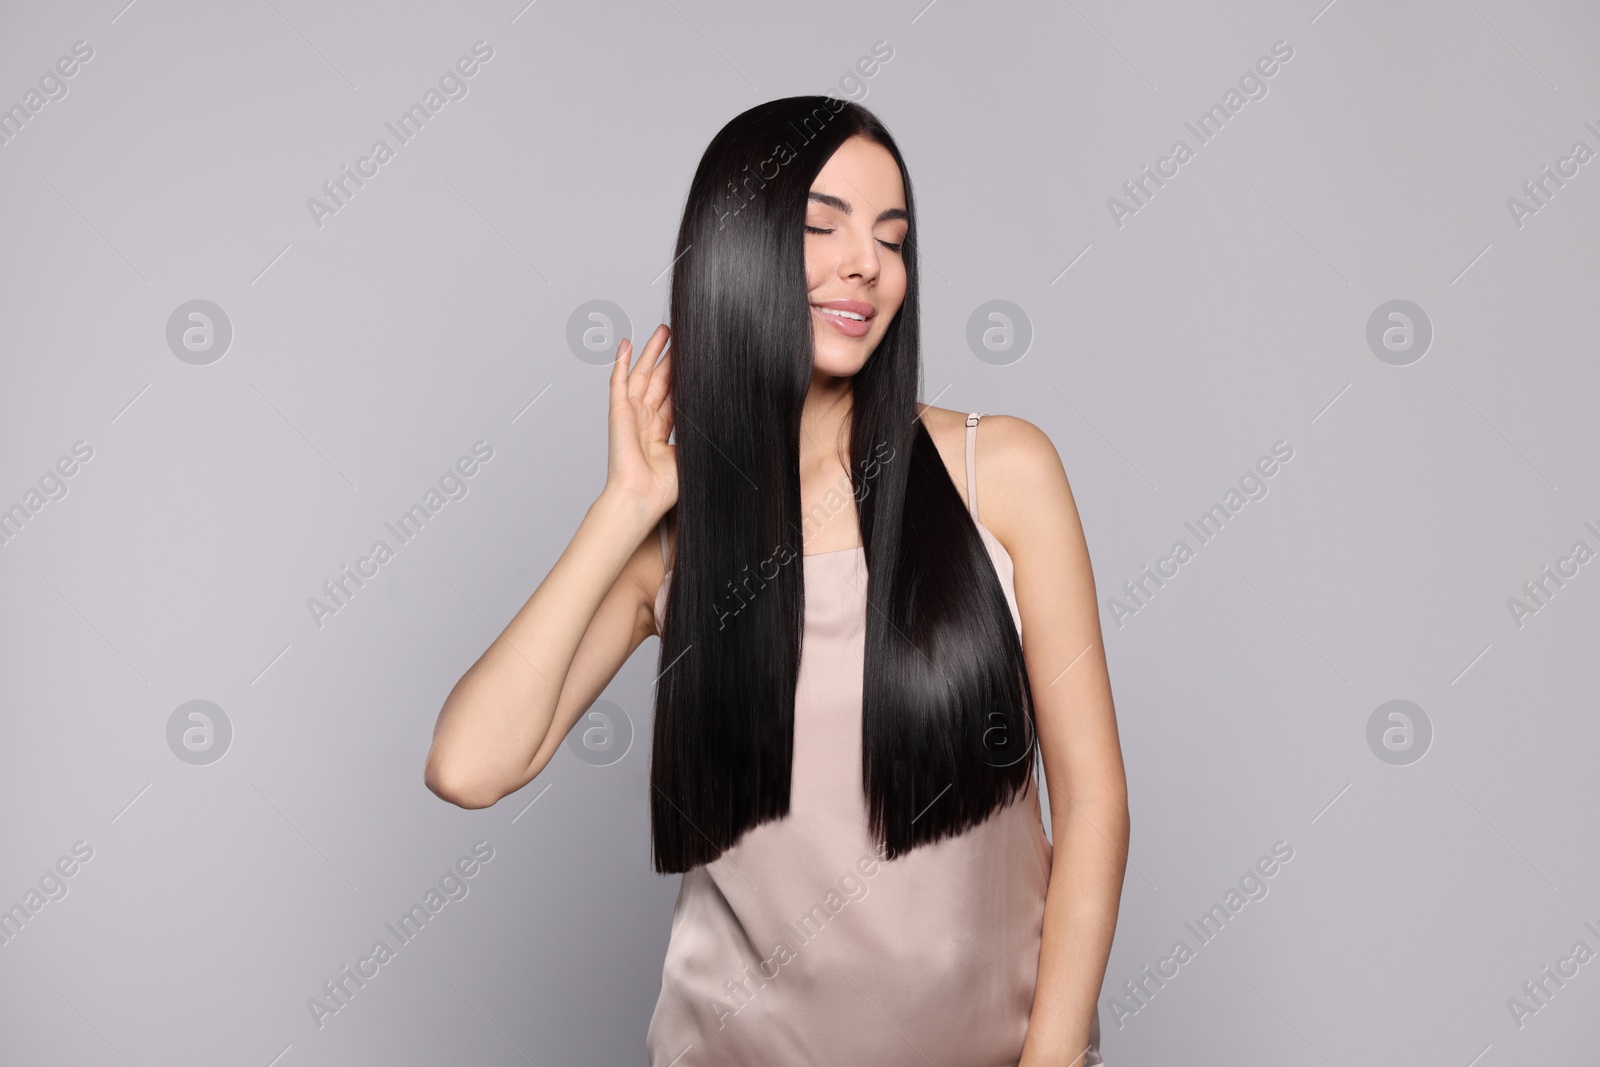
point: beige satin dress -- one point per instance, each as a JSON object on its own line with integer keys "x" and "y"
{"x": 800, "y": 947}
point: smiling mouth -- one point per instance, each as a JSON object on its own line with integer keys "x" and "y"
{"x": 852, "y": 324}
{"x": 840, "y": 314}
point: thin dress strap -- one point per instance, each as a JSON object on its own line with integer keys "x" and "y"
{"x": 972, "y": 462}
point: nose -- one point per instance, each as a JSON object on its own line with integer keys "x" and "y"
{"x": 860, "y": 259}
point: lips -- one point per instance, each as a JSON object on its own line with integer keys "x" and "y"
{"x": 845, "y": 324}
{"x": 856, "y": 307}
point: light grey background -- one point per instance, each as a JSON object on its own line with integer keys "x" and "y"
{"x": 431, "y": 312}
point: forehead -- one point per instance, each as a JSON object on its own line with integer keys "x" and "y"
{"x": 862, "y": 173}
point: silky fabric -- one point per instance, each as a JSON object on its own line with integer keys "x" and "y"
{"x": 800, "y": 945}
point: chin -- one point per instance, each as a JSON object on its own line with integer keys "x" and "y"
{"x": 837, "y": 364}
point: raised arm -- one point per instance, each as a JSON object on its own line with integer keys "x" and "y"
{"x": 506, "y": 717}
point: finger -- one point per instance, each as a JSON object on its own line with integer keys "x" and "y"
{"x": 641, "y": 370}
{"x": 658, "y": 399}
{"x": 619, "y": 370}
{"x": 620, "y": 361}
{"x": 660, "y": 380}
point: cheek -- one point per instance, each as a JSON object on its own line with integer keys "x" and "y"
{"x": 815, "y": 274}
{"x": 892, "y": 286}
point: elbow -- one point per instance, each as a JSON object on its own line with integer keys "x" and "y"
{"x": 451, "y": 785}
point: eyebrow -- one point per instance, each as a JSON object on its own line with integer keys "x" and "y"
{"x": 844, "y": 205}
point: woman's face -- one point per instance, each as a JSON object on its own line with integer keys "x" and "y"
{"x": 855, "y": 234}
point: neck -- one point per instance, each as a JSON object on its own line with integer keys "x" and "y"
{"x": 825, "y": 419}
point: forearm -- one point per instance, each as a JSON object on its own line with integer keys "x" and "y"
{"x": 1080, "y": 918}
{"x": 498, "y": 714}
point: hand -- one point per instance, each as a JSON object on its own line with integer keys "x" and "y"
{"x": 641, "y": 465}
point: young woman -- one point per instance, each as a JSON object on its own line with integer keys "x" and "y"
{"x": 848, "y": 721}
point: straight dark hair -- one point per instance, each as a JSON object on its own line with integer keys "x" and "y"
{"x": 947, "y": 732}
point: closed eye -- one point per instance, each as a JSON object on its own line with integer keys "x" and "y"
{"x": 892, "y": 246}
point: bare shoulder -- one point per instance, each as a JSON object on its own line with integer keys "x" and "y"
{"x": 1023, "y": 495}
{"x": 1022, "y": 484}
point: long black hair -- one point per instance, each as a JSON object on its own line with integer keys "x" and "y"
{"x": 947, "y": 733}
